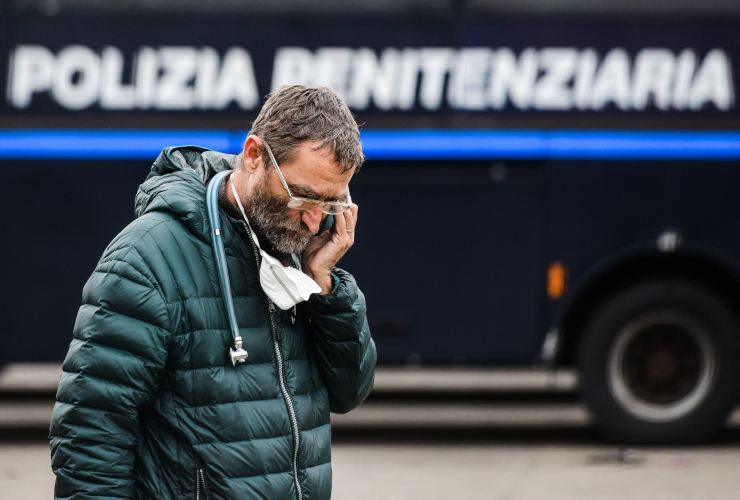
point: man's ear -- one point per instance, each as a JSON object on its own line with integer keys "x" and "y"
{"x": 252, "y": 153}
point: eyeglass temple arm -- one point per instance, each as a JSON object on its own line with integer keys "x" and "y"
{"x": 277, "y": 169}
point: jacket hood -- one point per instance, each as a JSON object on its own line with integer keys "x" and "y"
{"x": 177, "y": 183}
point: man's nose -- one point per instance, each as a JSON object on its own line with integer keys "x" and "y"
{"x": 312, "y": 218}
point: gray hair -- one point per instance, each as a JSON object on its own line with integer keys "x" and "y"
{"x": 298, "y": 113}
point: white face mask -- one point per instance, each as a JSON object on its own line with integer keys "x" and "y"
{"x": 286, "y": 286}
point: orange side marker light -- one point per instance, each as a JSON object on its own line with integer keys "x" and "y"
{"x": 557, "y": 277}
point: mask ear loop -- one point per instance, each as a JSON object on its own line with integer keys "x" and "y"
{"x": 237, "y": 354}
{"x": 252, "y": 234}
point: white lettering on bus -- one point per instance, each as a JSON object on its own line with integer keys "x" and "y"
{"x": 612, "y": 82}
{"x": 513, "y": 79}
{"x": 479, "y": 78}
{"x": 391, "y": 79}
{"x": 713, "y": 83}
{"x": 553, "y": 90}
{"x": 168, "y": 78}
{"x": 31, "y": 69}
{"x": 76, "y": 77}
{"x": 114, "y": 94}
{"x": 467, "y": 87}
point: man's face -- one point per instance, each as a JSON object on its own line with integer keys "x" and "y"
{"x": 312, "y": 173}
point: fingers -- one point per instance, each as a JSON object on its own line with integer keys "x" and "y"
{"x": 340, "y": 225}
{"x": 326, "y": 249}
{"x": 350, "y": 222}
{"x": 352, "y": 214}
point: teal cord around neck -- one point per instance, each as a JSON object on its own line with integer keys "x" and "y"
{"x": 237, "y": 354}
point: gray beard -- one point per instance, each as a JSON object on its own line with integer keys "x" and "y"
{"x": 270, "y": 219}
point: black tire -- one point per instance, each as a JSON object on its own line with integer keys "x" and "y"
{"x": 659, "y": 363}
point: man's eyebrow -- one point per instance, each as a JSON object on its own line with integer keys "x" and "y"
{"x": 306, "y": 192}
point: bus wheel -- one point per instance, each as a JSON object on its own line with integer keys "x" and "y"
{"x": 659, "y": 363}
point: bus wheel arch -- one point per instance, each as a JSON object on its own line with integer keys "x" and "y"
{"x": 657, "y": 348}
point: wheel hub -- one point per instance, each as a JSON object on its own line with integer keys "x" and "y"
{"x": 661, "y": 366}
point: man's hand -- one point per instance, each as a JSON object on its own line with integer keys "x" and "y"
{"x": 326, "y": 248}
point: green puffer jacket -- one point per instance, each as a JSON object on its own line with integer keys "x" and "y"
{"x": 149, "y": 405}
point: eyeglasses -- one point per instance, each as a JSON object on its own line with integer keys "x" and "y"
{"x": 299, "y": 203}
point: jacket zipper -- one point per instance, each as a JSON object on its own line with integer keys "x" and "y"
{"x": 281, "y": 378}
{"x": 288, "y": 401}
{"x": 200, "y": 483}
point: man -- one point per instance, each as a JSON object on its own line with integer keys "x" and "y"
{"x": 150, "y": 404}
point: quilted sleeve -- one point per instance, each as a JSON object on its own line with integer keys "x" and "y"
{"x": 342, "y": 345}
{"x": 110, "y": 374}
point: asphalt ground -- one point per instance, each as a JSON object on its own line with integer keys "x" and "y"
{"x": 440, "y": 434}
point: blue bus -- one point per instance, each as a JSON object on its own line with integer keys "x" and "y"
{"x": 539, "y": 189}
